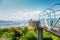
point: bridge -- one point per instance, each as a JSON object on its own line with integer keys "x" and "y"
{"x": 49, "y": 20}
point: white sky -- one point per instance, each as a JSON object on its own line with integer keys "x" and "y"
{"x": 20, "y": 15}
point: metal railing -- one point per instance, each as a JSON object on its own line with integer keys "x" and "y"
{"x": 49, "y": 11}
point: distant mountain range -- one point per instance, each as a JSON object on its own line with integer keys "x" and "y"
{"x": 9, "y": 23}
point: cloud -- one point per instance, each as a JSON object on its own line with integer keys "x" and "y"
{"x": 28, "y": 15}
{"x": 20, "y": 15}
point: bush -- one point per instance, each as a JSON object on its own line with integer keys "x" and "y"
{"x": 25, "y": 34}
{"x": 9, "y": 35}
{"x": 29, "y": 35}
{"x": 47, "y": 38}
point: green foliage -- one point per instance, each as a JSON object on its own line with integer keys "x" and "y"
{"x": 48, "y": 38}
{"x": 9, "y": 35}
{"x": 13, "y": 34}
{"x": 24, "y": 30}
{"x": 25, "y": 34}
{"x": 2, "y": 31}
{"x": 30, "y": 35}
{"x": 48, "y": 35}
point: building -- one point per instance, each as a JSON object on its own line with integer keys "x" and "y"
{"x": 33, "y": 23}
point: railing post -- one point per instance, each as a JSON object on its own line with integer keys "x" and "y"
{"x": 40, "y": 34}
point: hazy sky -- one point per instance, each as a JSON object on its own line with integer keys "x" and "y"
{"x": 23, "y": 9}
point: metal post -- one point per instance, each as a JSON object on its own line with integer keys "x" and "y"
{"x": 40, "y": 34}
{"x": 49, "y": 21}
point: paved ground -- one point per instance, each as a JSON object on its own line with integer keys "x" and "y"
{"x": 3, "y": 38}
